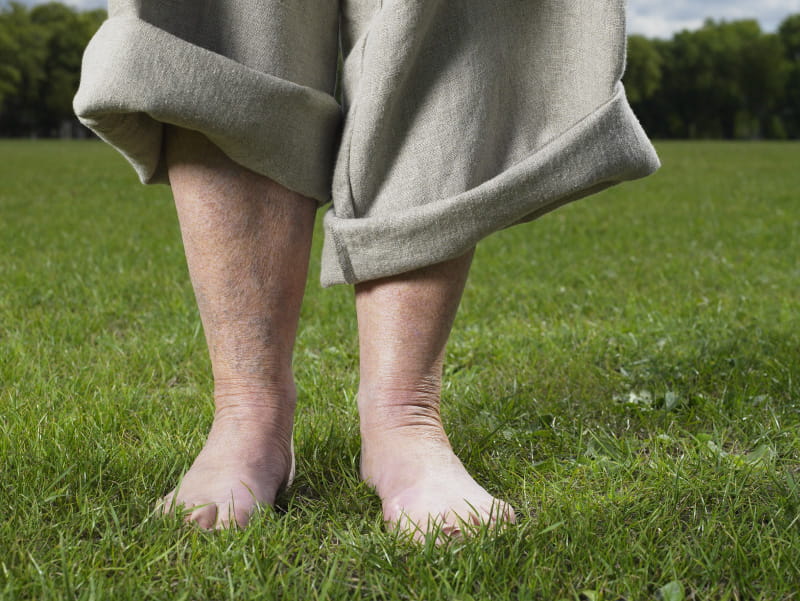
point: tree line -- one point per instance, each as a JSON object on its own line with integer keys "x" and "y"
{"x": 726, "y": 80}
{"x": 40, "y": 60}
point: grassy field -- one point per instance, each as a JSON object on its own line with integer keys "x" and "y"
{"x": 625, "y": 371}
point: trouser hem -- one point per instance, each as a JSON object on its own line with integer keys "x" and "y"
{"x": 136, "y": 78}
{"x": 605, "y": 148}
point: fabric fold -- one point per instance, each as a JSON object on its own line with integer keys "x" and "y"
{"x": 136, "y": 78}
{"x": 605, "y": 148}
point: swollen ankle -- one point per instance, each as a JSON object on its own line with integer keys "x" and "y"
{"x": 255, "y": 393}
{"x": 399, "y": 434}
{"x": 400, "y": 409}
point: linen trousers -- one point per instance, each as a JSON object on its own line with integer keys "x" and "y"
{"x": 457, "y": 118}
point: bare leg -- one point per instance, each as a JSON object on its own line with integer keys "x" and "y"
{"x": 247, "y": 241}
{"x": 403, "y": 324}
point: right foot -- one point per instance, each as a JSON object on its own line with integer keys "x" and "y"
{"x": 247, "y": 459}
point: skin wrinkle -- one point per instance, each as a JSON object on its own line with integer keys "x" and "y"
{"x": 403, "y": 406}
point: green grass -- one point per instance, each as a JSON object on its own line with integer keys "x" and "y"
{"x": 625, "y": 371}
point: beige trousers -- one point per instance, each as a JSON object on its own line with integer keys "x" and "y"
{"x": 458, "y": 117}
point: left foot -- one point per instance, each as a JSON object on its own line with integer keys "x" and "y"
{"x": 407, "y": 458}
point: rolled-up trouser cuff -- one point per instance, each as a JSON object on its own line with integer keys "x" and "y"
{"x": 605, "y": 148}
{"x": 137, "y": 77}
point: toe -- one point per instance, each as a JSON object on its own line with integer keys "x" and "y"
{"x": 452, "y": 531}
{"x": 508, "y": 514}
{"x": 497, "y": 514}
{"x": 502, "y": 513}
{"x": 242, "y": 515}
{"x": 165, "y": 506}
{"x": 231, "y": 516}
{"x": 204, "y": 516}
{"x": 487, "y": 515}
{"x": 225, "y": 518}
{"x": 403, "y": 523}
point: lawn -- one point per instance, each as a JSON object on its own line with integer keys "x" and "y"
{"x": 625, "y": 371}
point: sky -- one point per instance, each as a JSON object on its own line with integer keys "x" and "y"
{"x": 653, "y": 18}
{"x": 662, "y": 18}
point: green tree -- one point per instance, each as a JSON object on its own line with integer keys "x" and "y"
{"x": 726, "y": 80}
{"x": 40, "y": 56}
{"x": 10, "y": 75}
{"x": 25, "y": 60}
{"x": 643, "y": 69}
{"x": 789, "y": 33}
{"x": 68, "y": 32}
{"x": 762, "y": 79}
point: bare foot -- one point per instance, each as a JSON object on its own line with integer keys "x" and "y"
{"x": 247, "y": 459}
{"x": 423, "y": 486}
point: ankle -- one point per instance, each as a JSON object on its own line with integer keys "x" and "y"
{"x": 400, "y": 408}
{"x": 401, "y": 441}
{"x": 269, "y": 390}
{"x": 253, "y": 416}
{"x": 256, "y": 408}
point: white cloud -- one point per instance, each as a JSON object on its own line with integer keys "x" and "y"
{"x": 88, "y": 3}
{"x": 656, "y": 18}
